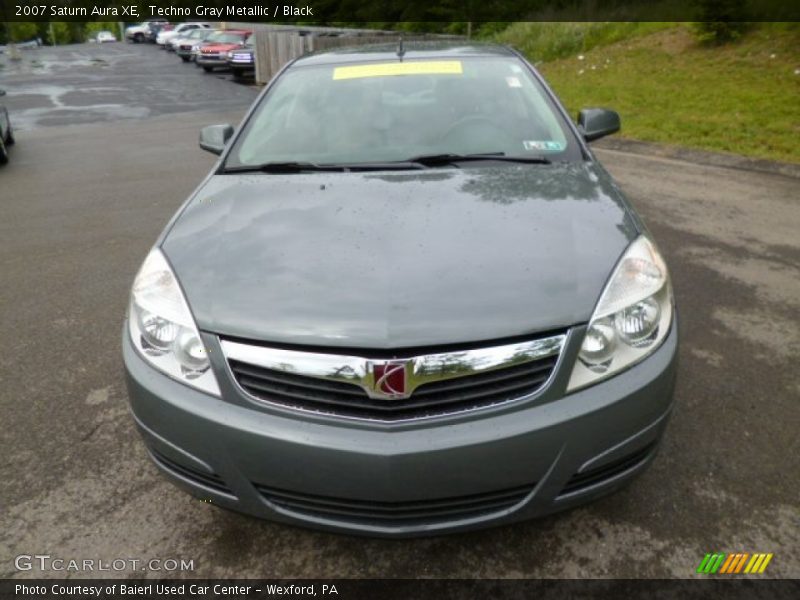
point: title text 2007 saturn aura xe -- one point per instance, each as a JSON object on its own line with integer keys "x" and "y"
{"x": 406, "y": 300}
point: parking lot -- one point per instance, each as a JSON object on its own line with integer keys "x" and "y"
{"x": 107, "y": 150}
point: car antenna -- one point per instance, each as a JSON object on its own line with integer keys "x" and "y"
{"x": 400, "y": 50}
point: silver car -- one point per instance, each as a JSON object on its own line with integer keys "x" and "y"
{"x": 406, "y": 300}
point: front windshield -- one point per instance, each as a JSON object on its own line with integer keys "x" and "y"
{"x": 393, "y": 111}
{"x": 228, "y": 38}
{"x": 216, "y": 36}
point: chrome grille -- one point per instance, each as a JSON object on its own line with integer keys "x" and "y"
{"x": 436, "y": 384}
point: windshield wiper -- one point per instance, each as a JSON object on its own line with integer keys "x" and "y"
{"x": 432, "y": 160}
{"x": 298, "y": 167}
{"x": 417, "y": 162}
{"x": 282, "y": 167}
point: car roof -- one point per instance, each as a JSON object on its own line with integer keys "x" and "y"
{"x": 412, "y": 50}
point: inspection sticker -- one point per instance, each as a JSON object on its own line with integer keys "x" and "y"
{"x": 439, "y": 67}
{"x": 546, "y": 146}
{"x": 513, "y": 82}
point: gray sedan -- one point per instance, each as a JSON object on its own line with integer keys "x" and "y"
{"x": 406, "y": 300}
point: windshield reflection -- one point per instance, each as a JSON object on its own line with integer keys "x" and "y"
{"x": 395, "y": 110}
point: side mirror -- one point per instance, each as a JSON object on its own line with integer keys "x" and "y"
{"x": 2, "y": 92}
{"x": 595, "y": 123}
{"x": 214, "y": 137}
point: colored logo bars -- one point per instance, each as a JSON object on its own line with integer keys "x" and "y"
{"x": 731, "y": 564}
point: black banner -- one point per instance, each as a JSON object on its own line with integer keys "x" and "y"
{"x": 377, "y": 12}
{"x": 730, "y": 588}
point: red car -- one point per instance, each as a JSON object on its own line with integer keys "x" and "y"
{"x": 215, "y": 54}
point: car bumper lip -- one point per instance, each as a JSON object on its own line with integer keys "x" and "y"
{"x": 540, "y": 457}
{"x": 204, "y": 60}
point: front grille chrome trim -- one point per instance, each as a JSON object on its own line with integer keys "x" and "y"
{"x": 345, "y": 370}
{"x": 423, "y": 369}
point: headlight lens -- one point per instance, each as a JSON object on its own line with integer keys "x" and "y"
{"x": 632, "y": 317}
{"x": 637, "y": 323}
{"x": 162, "y": 328}
{"x": 599, "y": 345}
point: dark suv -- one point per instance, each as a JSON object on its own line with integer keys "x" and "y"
{"x": 6, "y": 133}
{"x": 242, "y": 61}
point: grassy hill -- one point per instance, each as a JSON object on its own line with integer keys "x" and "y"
{"x": 742, "y": 97}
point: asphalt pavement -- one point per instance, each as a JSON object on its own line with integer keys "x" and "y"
{"x": 107, "y": 150}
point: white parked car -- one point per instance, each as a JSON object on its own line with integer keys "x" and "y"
{"x": 187, "y": 46}
{"x": 165, "y": 37}
{"x": 138, "y": 33}
{"x": 105, "y": 36}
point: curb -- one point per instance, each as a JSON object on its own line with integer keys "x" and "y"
{"x": 701, "y": 157}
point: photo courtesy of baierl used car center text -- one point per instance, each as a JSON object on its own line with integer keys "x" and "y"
{"x": 399, "y": 299}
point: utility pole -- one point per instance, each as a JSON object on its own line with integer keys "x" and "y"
{"x": 52, "y": 34}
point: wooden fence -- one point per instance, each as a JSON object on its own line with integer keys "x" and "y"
{"x": 275, "y": 47}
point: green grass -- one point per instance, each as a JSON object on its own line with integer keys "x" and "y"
{"x": 544, "y": 41}
{"x": 742, "y": 97}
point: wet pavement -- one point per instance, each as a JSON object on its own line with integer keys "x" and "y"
{"x": 93, "y": 180}
{"x": 88, "y": 83}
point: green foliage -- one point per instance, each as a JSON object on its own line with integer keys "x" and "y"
{"x": 543, "y": 41}
{"x": 721, "y": 21}
{"x": 21, "y": 32}
{"x": 59, "y": 33}
{"x": 668, "y": 88}
{"x": 719, "y": 32}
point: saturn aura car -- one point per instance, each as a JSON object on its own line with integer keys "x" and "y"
{"x": 406, "y": 300}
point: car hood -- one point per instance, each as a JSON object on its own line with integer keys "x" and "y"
{"x": 399, "y": 260}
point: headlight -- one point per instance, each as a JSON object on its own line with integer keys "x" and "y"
{"x": 632, "y": 317}
{"x": 162, "y": 328}
{"x": 195, "y": 48}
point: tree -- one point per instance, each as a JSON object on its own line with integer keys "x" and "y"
{"x": 721, "y": 21}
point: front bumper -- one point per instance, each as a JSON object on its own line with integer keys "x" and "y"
{"x": 487, "y": 467}
{"x": 241, "y": 64}
{"x": 211, "y": 61}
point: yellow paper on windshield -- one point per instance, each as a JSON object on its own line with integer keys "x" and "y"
{"x": 437, "y": 67}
